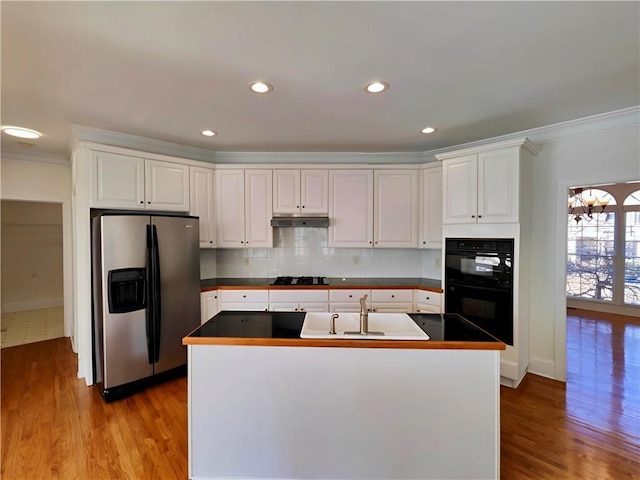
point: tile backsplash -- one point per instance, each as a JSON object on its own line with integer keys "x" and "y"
{"x": 304, "y": 251}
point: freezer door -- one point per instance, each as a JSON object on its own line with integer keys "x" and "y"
{"x": 124, "y": 316}
{"x": 179, "y": 260}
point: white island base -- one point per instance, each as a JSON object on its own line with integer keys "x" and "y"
{"x": 343, "y": 413}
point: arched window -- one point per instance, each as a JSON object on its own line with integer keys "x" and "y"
{"x": 631, "y": 207}
{"x": 591, "y": 244}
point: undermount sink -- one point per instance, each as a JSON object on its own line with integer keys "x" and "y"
{"x": 394, "y": 326}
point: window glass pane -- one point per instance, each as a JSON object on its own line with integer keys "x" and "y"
{"x": 591, "y": 247}
{"x": 633, "y": 199}
{"x": 632, "y": 259}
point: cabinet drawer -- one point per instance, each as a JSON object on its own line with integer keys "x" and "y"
{"x": 298, "y": 296}
{"x": 398, "y": 295}
{"x": 424, "y": 308}
{"x": 248, "y": 306}
{"x": 235, "y": 296}
{"x": 433, "y": 299}
{"x": 347, "y": 296}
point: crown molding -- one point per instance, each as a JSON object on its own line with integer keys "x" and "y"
{"x": 532, "y": 140}
{"x": 80, "y": 133}
{"x": 24, "y": 155}
{"x": 604, "y": 122}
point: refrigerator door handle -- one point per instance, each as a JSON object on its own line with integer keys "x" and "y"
{"x": 157, "y": 298}
{"x": 150, "y": 296}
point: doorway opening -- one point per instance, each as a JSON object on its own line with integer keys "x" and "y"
{"x": 32, "y": 272}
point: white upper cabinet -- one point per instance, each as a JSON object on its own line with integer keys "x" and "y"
{"x": 351, "y": 208}
{"x": 244, "y": 208}
{"x": 126, "y": 181}
{"x": 484, "y": 186}
{"x": 166, "y": 185}
{"x": 258, "y": 208}
{"x": 460, "y": 189}
{"x": 430, "y": 224}
{"x": 118, "y": 181}
{"x": 201, "y": 186}
{"x": 230, "y": 208}
{"x": 300, "y": 191}
{"x": 396, "y": 208}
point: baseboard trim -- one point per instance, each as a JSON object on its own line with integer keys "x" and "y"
{"x": 542, "y": 367}
{"x": 32, "y": 305}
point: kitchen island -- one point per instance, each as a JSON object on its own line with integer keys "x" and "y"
{"x": 264, "y": 403}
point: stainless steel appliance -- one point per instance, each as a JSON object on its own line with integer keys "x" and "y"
{"x": 146, "y": 298}
{"x": 479, "y": 283}
{"x": 299, "y": 281}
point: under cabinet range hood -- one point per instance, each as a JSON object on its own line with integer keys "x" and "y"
{"x": 300, "y": 222}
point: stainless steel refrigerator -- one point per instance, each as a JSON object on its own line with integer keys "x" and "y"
{"x": 146, "y": 298}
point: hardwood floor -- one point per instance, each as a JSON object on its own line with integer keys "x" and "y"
{"x": 53, "y": 426}
{"x": 588, "y": 428}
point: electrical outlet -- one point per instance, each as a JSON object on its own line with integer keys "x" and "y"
{"x": 246, "y": 261}
{"x": 355, "y": 260}
{"x": 437, "y": 262}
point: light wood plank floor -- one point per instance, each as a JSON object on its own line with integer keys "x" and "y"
{"x": 53, "y": 426}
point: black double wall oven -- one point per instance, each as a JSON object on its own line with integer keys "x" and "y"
{"x": 479, "y": 283}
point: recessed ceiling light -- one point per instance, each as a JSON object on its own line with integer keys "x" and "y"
{"x": 21, "y": 132}
{"x": 428, "y": 130}
{"x": 376, "y": 87}
{"x": 260, "y": 87}
{"x": 208, "y": 133}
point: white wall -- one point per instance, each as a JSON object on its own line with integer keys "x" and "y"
{"x": 609, "y": 156}
{"x": 31, "y": 255}
{"x": 44, "y": 182}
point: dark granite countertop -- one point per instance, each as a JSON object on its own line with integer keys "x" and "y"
{"x": 337, "y": 282}
{"x": 283, "y": 328}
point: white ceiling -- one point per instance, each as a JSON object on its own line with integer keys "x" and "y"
{"x": 167, "y": 70}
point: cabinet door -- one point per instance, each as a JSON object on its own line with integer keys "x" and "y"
{"x": 258, "y": 188}
{"x": 396, "y": 208}
{"x": 118, "y": 181}
{"x": 460, "y": 184}
{"x": 344, "y": 308}
{"x": 499, "y": 186}
{"x": 314, "y": 191}
{"x": 431, "y": 209}
{"x": 286, "y": 191}
{"x": 208, "y": 305}
{"x": 166, "y": 185}
{"x": 392, "y": 307}
{"x": 283, "y": 306}
{"x": 351, "y": 208}
{"x": 313, "y": 307}
{"x": 230, "y": 208}
{"x": 201, "y": 204}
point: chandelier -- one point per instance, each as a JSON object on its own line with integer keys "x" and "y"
{"x": 583, "y": 203}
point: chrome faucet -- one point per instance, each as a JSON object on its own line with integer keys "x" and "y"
{"x": 332, "y": 324}
{"x": 364, "y": 315}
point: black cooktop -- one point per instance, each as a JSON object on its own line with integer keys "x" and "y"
{"x": 299, "y": 281}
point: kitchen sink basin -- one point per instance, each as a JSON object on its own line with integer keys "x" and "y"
{"x": 394, "y": 326}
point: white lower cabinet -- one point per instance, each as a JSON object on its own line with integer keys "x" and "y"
{"x": 208, "y": 305}
{"x": 428, "y": 302}
{"x": 250, "y": 300}
{"x": 298, "y": 301}
{"x": 347, "y": 300}
{"x": 392, "y": 301}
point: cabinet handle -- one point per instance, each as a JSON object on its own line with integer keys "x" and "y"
{"x": 427, "y": 298}
{"x": 297, "y": 206}
{"x": 149, "y": 202}
{"x": 141, "y": 202}
{"x": 350, "y": 296}
{"x": 295, "y": 309}
{"x": 423, "y": 242}
{"x": 302, "y": 206}
{"x": 244, "y": 296}
{"x": 393, "y": 296}
{"x": 302, "y": 309}
{"x": 473, "y": 216}
{"x": 370, "y": 242}
{"x": 479, "y": 216}
{"x": 210, "y": 241}
{"x": 241, "y": 241}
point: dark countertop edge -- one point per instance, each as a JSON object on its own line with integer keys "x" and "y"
{"x": 326, "y": 343}
{"x": 427, "y": 284}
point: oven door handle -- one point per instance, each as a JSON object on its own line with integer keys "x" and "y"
{"x": 452, "y": 285}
